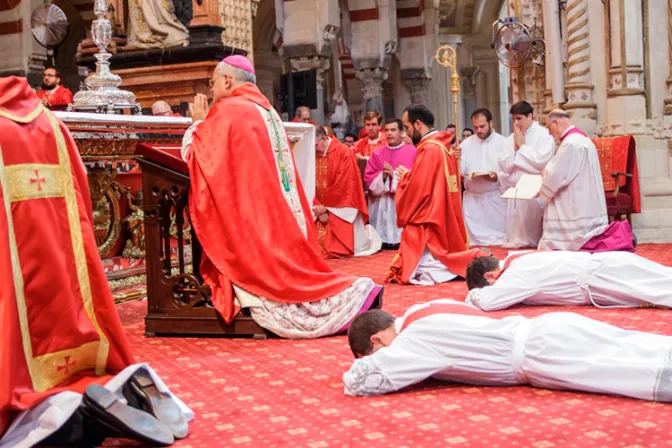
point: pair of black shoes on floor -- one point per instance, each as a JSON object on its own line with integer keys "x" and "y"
{"x": 150, "y": 417}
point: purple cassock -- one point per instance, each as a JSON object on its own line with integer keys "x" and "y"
{"x": 404, "y": 155}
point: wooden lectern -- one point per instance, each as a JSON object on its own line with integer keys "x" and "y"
{"x": 178, "y": 302}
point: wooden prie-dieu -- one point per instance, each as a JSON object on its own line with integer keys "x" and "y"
{"x": 178, "y": 302}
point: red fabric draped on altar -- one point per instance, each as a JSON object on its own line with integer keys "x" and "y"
{"x": 619, "y": 155}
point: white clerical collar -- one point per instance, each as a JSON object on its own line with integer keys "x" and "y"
{"x": 565, "y": 133}
{"x": 532, "y": 126}
{"x": 398, "y": 146}
{"x": 52, "y": 91}
{"x": 373, "y": 142}
{"x": 488, "y": 138}
{"x": 434, "y": 131}
{"x": 328, "y": 141}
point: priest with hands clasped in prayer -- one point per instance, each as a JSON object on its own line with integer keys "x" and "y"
{"x": 382, "y": 182}
{"x": 433, "y": 239}
{"x": 484, "y": 209}
{"x": 374, "y": 138}
{"x": 339, "y": 208}
{"x": 251, "y": 215}
{"x": 527, "y": 151}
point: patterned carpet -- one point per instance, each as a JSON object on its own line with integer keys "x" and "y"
{"x": 276, "y": 393}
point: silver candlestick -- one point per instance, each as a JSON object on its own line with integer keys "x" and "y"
{"x": 103, "y": 93}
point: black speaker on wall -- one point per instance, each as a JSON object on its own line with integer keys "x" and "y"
{"x": 303, "y": 90}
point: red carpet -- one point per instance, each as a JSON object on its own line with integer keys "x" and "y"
{"x": 289, "y": 393}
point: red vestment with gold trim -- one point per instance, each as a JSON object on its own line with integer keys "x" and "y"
{"x": 58, "y": 324}
{"x": 58, "y": 100}
{"x": 338, "y": 185}
{"x": 429, "y": 210}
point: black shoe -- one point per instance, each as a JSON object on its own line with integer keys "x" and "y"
{"x": 389, "y": 246}
{"x": 634, "y": 240}
{"x": 122, "y": 420}
{"x": 378, "y": 301}
{"x": 141, "y": 393}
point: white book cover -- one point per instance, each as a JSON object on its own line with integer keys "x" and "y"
{"x": 527, "y": 188}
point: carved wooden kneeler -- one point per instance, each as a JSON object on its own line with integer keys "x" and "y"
{"x": 178, "y": 302}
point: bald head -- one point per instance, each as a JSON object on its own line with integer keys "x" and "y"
{"x": 558, "y": 122}
{"x": 161, "y": 109}
{"x": 303, "y": 114}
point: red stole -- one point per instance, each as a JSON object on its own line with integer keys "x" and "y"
{"x": 514, "y": 257}
{"x": 442, "y": 308}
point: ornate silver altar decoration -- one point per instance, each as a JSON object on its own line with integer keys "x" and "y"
{"x": 103, "y": 93}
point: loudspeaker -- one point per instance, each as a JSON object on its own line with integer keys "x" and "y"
{"x": 305, "y": 89}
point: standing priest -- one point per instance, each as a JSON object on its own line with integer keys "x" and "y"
{"x": 252, "y": 218}
{"x": 382, "y": 182}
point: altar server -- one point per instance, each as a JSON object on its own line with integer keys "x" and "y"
{"x": 483, "y": 207}
{"x": 604, "y": 279}
{"x": 572, "y": 189}
{"x": 527, "y": 151}
{"x": 452, "y": 341}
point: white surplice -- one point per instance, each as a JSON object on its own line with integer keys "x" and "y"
{"x": 604, "y": 279}
{"x": 524, "y": 219}
{"x": 576, "y": 208}
{"x": 382, "y": 211}
{"x": 554, "y": 351}
{"x": 482, "y": 206}
{"x": 36, "y": 424}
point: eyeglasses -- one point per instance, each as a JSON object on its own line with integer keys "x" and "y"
{"x": 214, "y": 80}
{"x": 163, "y": 114}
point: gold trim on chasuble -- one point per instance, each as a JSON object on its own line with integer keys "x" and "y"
{"x": 27, "y": 119}
{"x": 284, "y": 163}
{"x": 451, "y": 179}
{"x": 34, "y": 181}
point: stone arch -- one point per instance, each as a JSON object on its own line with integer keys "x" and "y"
{"x": 267, "y": 62}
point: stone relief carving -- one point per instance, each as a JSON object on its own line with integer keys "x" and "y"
{"x": 390, "y": 47}
{"x": 329, "y": 34}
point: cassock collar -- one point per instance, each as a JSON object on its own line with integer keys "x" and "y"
{"x": 433, "y": 131}
{"x": 565, "y": 133}
{"x": 490, "y": 137}
{"x": 373, "y": 142}
{"x": 396, "y": 147}
{"x": 18, "y": 102}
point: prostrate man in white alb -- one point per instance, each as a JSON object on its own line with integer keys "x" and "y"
{"x": 572, "y": 189}
{"x": 453, "y": 341}
{"x": 483, "y": 207}
{"x": 605, "y": 279}
{"x": 528, "y": 150}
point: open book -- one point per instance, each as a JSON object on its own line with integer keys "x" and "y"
{"x": 478, "y": 174}
{"x": 527, "y": 187}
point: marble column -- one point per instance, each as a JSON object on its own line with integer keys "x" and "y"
{"x": 419, "y": 89}
{"x": 372, "y": 85}
{"x": 580, "y": 104}
{"x": 668, "y": 98}
{"x": 626, "y": 103}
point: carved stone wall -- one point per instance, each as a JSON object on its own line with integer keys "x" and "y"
{"x": 237, "y": 22}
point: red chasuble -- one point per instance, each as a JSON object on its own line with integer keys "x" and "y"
{"x": 59, "y": 100}
{"x": 239, "y": 208}
{"x": 338, "y": 184}
{"x": 429, "y": 209}
{"x": 364, "y": 148}
{"x": 58, "y": 324}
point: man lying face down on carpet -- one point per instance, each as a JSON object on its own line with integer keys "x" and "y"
{"x": 603, "y": 279}
{"x": 452, "y": 341}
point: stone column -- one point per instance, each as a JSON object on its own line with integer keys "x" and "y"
{"x": 372, "y": 85}
{"x": 626, "y": 104}
{"x": 668, "y": 98}
{"x": 373, "y": 28}
{"x": 418, "y": 39}
{"x": 580, "y": 104}
{"x": 419, "y": 86}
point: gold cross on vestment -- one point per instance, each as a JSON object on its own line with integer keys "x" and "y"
{"x": 39, "y": 180}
